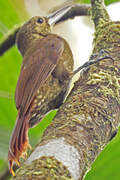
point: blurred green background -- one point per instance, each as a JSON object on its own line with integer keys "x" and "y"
{"x": 13, "y": 12}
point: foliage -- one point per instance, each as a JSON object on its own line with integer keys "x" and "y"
{"x": 11, "y": 13}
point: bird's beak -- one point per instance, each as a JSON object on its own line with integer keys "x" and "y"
{"x": 54, "y": 17}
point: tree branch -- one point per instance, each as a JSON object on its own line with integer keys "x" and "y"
{"x": 76, "y": 10}
{"x": 99, "y": 13}
{"x": 87, "y": 121}
{"x": 9, "y": 40}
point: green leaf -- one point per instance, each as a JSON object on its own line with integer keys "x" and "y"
{"x": 107, "y": 164}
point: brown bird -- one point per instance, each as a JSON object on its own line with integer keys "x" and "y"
{"x": 44, "y": 78}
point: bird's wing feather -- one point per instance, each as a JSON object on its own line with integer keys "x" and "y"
{"x": 36, "y": 69}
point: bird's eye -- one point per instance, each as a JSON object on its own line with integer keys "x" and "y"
{"x": 40, "y": 20}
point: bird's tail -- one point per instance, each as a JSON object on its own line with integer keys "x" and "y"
{"x": 19, "y": 142}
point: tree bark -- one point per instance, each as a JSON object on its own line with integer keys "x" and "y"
{"x": 88, "y": 119}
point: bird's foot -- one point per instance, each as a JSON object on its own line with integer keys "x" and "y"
{"x": 95, "y": 58}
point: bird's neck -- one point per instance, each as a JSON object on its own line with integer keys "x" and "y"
{"x": 27, "y": 42}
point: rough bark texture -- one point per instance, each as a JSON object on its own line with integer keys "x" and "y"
{"x": 44, "y": 168}
{"x": 90, "y": 117}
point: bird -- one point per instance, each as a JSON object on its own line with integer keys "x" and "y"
{"x": 44, "y": 78}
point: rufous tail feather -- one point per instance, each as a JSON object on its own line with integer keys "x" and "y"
{"x": 19, "y": 142}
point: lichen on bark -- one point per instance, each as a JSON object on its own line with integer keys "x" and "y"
{"x": 44, "y": 168}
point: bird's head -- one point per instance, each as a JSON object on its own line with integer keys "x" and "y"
{"x": 38, "y": 27}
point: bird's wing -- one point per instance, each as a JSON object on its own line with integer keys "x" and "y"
{"x": 36, "y": 69}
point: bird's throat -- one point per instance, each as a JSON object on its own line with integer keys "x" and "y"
{"x": 25, "y": 43}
